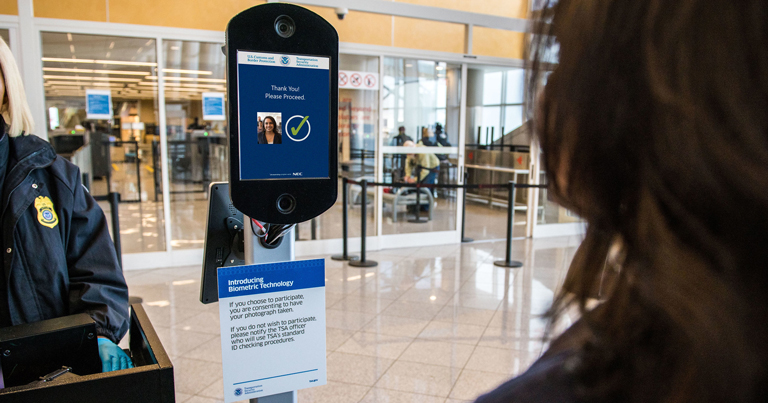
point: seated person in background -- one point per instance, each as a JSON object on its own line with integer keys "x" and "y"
{"x": 58, "y": 258}
{"x": 440, "y": 136}
{"x": 426, "y": 134}
{"x": 660, "y": 142}
{"x": 401, "y": 137}
{"x": 421, "y": 167}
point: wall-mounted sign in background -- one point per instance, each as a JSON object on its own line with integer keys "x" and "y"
{"x": 358, "y": 80}
{"x": 272, "y": 328}
{"x": 98, "y": 104}
{"x": 213, "y": 106}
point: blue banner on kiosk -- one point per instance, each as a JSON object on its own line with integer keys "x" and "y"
{"x": 271, "y": 277}
{"x": 284, "y": 109}
{"x": 272, "y": 319}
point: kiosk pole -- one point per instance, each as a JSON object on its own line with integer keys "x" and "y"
{"x": 508, "y": 262}
{"x": 255, "y": 253}
{"x": 344, "y": 229}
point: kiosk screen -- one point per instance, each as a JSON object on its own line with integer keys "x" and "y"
{"x": 284, "y": 109}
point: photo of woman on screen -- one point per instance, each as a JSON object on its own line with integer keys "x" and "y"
{"x": 271, "y": 133}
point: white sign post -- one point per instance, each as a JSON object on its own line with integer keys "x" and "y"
{"x": 98, "y": 104}
{"x": 272, "y": 328}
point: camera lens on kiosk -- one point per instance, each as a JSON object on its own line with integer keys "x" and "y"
{"x": 284, "y": 26}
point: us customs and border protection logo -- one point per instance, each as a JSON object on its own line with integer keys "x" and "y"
{"x": 46, "y": 215}
{"x": 285, "y": 60}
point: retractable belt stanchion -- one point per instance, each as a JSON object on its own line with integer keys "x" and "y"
{"x": 363, "y": 216}
{"x": 417, "y": 211}
{"x": 464, "y": 209}
{"x": 344, "y": 228}
{"x": 508, "y": 262}
{"x": 114, "y": 201}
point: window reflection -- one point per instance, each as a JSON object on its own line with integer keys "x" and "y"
{"x": 115, "y": 154}
{"x": 197, "y": 143}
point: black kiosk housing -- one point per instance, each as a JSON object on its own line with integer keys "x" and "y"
{"x": 288, "y": 31}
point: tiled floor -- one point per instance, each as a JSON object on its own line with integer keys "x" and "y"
{"x": 432, "y": 324}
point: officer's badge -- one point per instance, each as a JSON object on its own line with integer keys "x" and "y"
{"x": 46, "y": 215}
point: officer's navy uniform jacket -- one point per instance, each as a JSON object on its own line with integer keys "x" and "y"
{"x": 58, "y": 258}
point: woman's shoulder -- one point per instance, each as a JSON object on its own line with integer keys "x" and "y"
{"x": 549, "y": 379}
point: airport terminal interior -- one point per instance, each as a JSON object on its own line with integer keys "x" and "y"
{"x": 436, "y": 320}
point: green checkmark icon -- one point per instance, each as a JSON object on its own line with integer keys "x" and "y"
{"x": 295, "y": 130}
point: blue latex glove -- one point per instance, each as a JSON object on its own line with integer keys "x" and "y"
{"x": 112, "y": 357}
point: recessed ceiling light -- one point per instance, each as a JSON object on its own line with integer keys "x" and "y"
{"x": 202, "y": 80}
{"x": 121, "y": 72}
{"x": 181, "y": 71}
{"x": 118, "y": 62}
{"x": 78, "y": 78}
{"x": 175, "y": 48}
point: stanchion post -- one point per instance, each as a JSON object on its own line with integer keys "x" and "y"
{"x": 508, "y": 262}
{"x": 363, "y": 217}
{"x": 464, "y": 209}
{"x": 417, "y": 214}
{"x": 114, "y": 201}
{"x": 138, "y": 170}
{"x": 502, "y": 138}
{"x": 344, "y": 232}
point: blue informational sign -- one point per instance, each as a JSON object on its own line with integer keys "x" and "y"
{"x": 213, "y": 106}
{"x": 272, "y": 328}
{"x": 98, "y": 104}
{"x": 289, "y": 95}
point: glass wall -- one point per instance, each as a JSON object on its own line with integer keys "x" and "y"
{"x": 114, "y": 150}
{"x": 358, "y": 131}
{"x": 420, "y": 104}
{"x": 497, "y": 150}
{"x": 197, "y": 144}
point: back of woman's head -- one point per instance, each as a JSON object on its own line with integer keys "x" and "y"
{"x": 654, "y": 128}
{"x": 13, "y": 106}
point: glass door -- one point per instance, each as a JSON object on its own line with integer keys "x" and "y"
{"x": 113, "y": 151}
{"x": 420, "y": 124}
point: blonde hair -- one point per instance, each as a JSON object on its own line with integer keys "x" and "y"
{"x": 15, "y": 111}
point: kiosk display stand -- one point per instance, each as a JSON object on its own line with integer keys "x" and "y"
{"x": 255, "y": 253}
{"x": 282, "y": 120}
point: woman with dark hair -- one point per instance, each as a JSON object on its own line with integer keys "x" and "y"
{"x": 654, "y": 129}
{"x": 271, "y": 133}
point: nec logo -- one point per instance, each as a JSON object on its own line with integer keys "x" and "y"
{"x": 298, "y": 174}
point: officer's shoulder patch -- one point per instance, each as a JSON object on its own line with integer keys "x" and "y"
{"x": 46, "y": 215}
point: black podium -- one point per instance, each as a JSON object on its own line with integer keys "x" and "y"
{"x": 150, "y": 381}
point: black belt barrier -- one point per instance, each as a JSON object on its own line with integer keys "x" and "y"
{"x": 362, "y": 262}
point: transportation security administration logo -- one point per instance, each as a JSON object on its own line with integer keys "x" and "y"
{"x": 238, "y": 392}
{"x": 285, "y": 60}
{"x": 45, "y": 213}
{"x": 299, "y": 127}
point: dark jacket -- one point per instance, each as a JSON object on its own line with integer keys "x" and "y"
{"x": 57, "y": 260}
{"x": 262, "y": 138}
{"x": 551, "y": 378}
